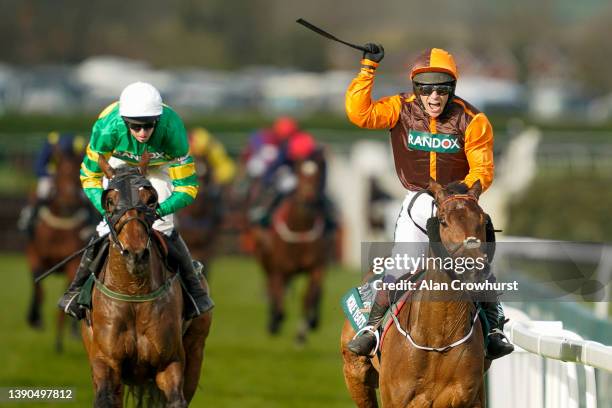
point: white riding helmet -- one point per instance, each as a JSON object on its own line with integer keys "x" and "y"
{"x": 139, "y": 100}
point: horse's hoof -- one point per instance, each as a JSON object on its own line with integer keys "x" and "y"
{"x": 35, "y": 322}
{"x": 300, "y": 340}
{"x": 313, "y": 323}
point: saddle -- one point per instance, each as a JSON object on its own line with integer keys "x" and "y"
{"x": 357, "y": 303}
{"x": 85, "y": 296}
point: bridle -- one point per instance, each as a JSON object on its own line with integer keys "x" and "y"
{"x": 469, "y": 242}
{"x": 128, "y": 186}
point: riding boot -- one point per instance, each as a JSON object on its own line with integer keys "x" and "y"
{"x": 28, "y": 217}
{"x": 364, "y": 344}
{"x": 190, "y": 272}
{"x": 499, "y": 345}
{"x": 69, "y": 301}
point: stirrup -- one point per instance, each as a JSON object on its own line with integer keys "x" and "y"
{"x": 374, "y": 331}
{"x": 500, "y": 332}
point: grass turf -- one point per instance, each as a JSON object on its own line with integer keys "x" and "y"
{"x": 243, "y": 366}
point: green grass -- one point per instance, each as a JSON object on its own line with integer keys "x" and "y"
{"x": 243, "y": 367}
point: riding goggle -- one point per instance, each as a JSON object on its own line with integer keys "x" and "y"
{"x": 441, "y": 89}
{"x": 137, "y": 127}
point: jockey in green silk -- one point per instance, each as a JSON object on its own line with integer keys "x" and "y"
{"x": 140, "y": 122}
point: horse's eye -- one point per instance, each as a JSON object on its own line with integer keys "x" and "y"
{"x": 442, "y": 221}
{"x": 152, "y": 201}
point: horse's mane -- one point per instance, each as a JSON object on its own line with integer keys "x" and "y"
{"x": 456, "y": 187}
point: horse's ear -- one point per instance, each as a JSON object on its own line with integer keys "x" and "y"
{"x": 475, "y": 190}
{"x": 108, "y": 171}
{"x": 143, "y": 164}
{"x": 438, "y": 191}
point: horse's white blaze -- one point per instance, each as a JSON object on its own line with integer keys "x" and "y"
{"x": 309, "y": 168}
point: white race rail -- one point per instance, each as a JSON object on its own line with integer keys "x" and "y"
{"x": 550, "y": 368}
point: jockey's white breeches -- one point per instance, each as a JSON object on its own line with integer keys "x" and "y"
{"x": 409, "y": 237}
{"x": 160, "y": 179}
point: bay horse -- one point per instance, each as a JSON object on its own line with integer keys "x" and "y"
{"x": 296, "y": 243}
{"x": 201, "y": 221}
{"x": 57, "y": 233}
{"x": 134, "y": 334}
{"x": 416, "y": 368}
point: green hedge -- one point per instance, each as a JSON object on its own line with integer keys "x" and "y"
{"x": 565, "y": 207}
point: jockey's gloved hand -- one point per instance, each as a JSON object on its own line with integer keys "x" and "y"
{"x": 375, "y": 52}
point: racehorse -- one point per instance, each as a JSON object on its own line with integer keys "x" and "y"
{"x": 424, "y": 366}
{"x": 201, "y": 221}
{"x": 134, "y": 334}
{"x": 57, "y": 233}
{"x": 296, "y": 243}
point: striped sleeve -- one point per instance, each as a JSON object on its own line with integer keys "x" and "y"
{"x": 90, "y": 173}
{"x": 185, "y": 185}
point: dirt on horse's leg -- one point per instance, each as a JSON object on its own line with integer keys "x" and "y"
{"x": 276, "y": 293}
{"x": 194, "y": 342}
{"x": 107, "y": 385}
{"x": 360, "y": 376}
{"x": 170, "y": 382}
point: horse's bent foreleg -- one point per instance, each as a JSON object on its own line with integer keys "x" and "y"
{"x": 360, "y": 376}
{"x": 107, "y": 385}
{"x": 170, "y": 382}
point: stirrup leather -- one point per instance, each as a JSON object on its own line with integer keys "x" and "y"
{"x": 374, "y": 331}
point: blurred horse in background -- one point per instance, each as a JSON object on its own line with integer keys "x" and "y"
{"x": 296, "y": 243}
{"x": 201, "y": 222}
{"x": 58, "y": 233}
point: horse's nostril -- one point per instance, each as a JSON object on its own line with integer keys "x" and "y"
{"x": 471, "y": 243}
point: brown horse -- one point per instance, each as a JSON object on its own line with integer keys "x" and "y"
{"x": 410, "y": 373}
{"x": 134, "y": 334}
{"x": 201, "y": 221}
{"x": 296, "y": 243}
{"x": 57, "y": 234}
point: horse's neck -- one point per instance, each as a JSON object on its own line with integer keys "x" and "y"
{"x": 300, "y": 215}
{"x": 116, "y": 274}
{"x": 442, "y": 315}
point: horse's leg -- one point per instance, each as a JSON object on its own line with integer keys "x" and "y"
{"x": 70, "y": 269}
{"x": 34, "y": 314}
{"x": 360, "y": 376}
{"x": 276, "y": 293}
{"x": 194, "y": 341}
{"x": 170, "y": 382}
{"x": 311, "y": 304}
{"x": 107, "y": 384}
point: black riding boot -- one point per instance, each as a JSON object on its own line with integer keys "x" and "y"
{"x": 498, "y": 344}
{"x": 363, "y": 345}
{"x": 179, "y": 254}
{"x": 68, "y": 302}
{"x": 28, "y": 217}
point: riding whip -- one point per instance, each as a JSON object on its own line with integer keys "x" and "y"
{"x": 328, "y": 35}
{"x": 69, "y": 258}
